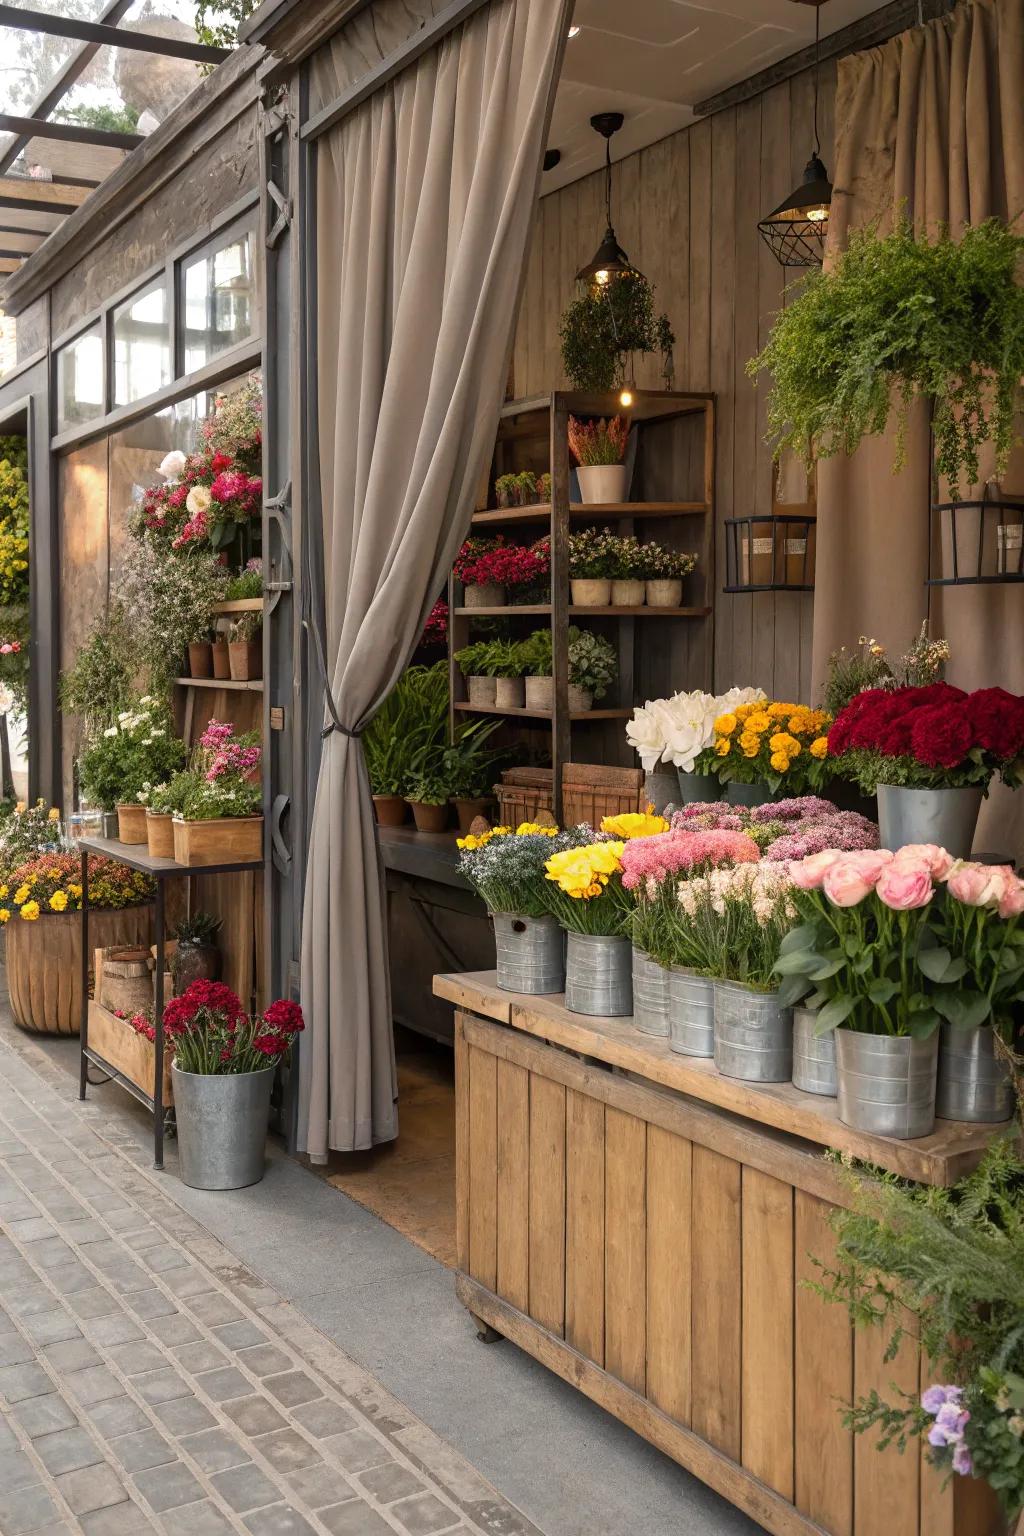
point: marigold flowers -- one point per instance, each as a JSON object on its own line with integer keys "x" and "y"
{"x": 770, "y": 742}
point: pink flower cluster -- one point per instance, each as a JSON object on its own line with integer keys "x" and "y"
{"x": 193, "y": 532}
{"x": 227, "y": 755}
{"x": 845, "y": 831}
{"x": 908, "y": 879}
{"x": 648, "y": 861}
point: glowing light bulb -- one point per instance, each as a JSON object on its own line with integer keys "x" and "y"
{"x": 626, "y": 398}
{"x": 601, "y": 277}
{"x": 817, "y": 215}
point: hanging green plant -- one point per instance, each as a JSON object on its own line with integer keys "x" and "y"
{"x": 900, "y": 318}
{"x": 605, "y": 325}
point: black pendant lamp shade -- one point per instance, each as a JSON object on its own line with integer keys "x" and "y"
{"x": 795, "y": 232}
{"x": 610, "y": 260}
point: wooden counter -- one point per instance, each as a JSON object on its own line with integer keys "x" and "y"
{"x": 642, "y": 1226}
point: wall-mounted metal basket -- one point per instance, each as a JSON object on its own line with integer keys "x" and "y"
{"x": 770, "y": 554}
{"x": 975, "y": 543}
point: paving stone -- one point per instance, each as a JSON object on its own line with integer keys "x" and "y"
{"x": 20, "y": 1381}
{"x": 224, "y": 1385}
{"x": 118, "y": 1416}
{"x": 168, "y": 1486}
{"x": 354, "y": 1519}
{"x": 165, "y": 1257}
{"x": 281, "y": 1520}
{"x": 356, "y": 1450}
{"x": 212, "y": 1308}
{"x": 91, "y": 1488}
{"x": 286, "y": 1450}
{"x": 214, "y": 1451}
{"x": 134, "y": 1358}
{"x": 14, "y": 1350}
{"x": 320, "y": 1486}
{"x": 84, "y": 1231}
{"x": 40, "y": 1415}
{"x": 161, "y": 1386}
{"x": 127, "y": 1519}
{"x": 199, "y": 1357}
{"x": 189, "y": 1281}
{"x": 196, "y": 1520}
{"x": 128, "y": 1277}
{"x": 93, "y": 1385}
{"x": 118, "y": 1328}
{"x": 151, "y": 1303}
{"x": 24, "y": 1296}
{"x": 95, "y": 1303}
{"x": 70, "y": 1279}
{"x": 391, "y": 1482}
{"x": 424, "y": 1515}
{"x": 146, "y": 1448}
{"x": 245, "y": 1488}
{"x": 66, "y": 1450}
{"x": 48, "y": 1252}
{"x": 265, "y": 1360}
{"x": 243, "y": 1335}
{"x": 184, "y": 1416}
{"x": 29, "y": 1229}
{"x": 70, "y": 1355}
{"x": 17, "y": 1470}
{"x": 254, "y": 1415}
{"x": 146, "y": 1237}
{"x": 173, "y": 1328}
{"x": 51, "y": 1327}
{"x": 25, "y": 1509}
{"x": 292, "y": 1388}
{"x": 323, "y": 1417}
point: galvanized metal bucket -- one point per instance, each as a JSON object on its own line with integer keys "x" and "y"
{"x": 814, "y": 1056}
{"x": 887, "y": 1083}
{"x": 947, "y": 817}
{"x": 973, "y": 1083}
{"x": 222, "y": 1127}
{"x": 650, "y": 994}
{"x": 753, "y": 1034}
{"x": 598, "y": 975}
{"x": 748, "y": 794}
{"x": 691, "y": 1013}
{"x": 530, "y": 953}
{"x": 699, "y": 787}
{"x": 660, "y": 790}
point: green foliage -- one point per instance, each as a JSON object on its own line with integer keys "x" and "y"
{"x": 230, "y": 795}
{"x": 248, "y": 626}
{"x": 604, "y": 325}
{"x": 170, "y": 598}
{"x": 218, "y": 21}
{"x": 99, "y": 685}
{"x": 247, "y": 584}
{"x": 468, "y": 765}
{"x": 199, "y": 928}
{"x": 14, "y": 521}
{"x": 122, "y": 119}
{"x": 128, "y": 757}
{"x": 905, "y": 317}
{"x": 167, "y": 799}
{"x": 593, "y": 662}
{"x": 412, "y": 718}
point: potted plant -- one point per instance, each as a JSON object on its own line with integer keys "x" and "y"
{"x": 220, "y": 819}
{"x": 196, "y": 955}
{"x": 584, "y": 891}
{"x": 477, "y": 662}
{"x": 771, "y": 748}
{"x": 223, "y": 1071}
{"x": 680, "y": 732}
{"x": 930, "y": 754}
{"x": 507, "y": 870}
{"x": 40, "y": 910}
{"x": 138, "y": 750}
{"x": 414, "y": 713}
{"x": 247, "y": 586}
{"x": 628, "y": 572}
{"x": 428, "y": 792}
{"x": 161, "y": 805}
{"x": 592, "y": 558}
{"x": 476, "y": 573}
{"x": 593, "y": 667}
{"x": 467, "y": 767}
{"x": 544, "y": 487}
{"x": 664, "y": 570}
{"x": 200, "y": 654}
{"x": 221, "y": 655}
{"x": 504, "y": 490}
{"x": 509, "y": 663}
{"x": 245, "y": 649}
{"x": 599, "y": 448}
{"x": 895, "y": 319}
{"x": 526, "y": 488}
{"x": 604, "y": 325}
{"x": 854, "y": 957}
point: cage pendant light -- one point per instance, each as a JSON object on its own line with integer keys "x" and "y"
{"x": 795, "y": 232}
{"x": 610, "y": 260}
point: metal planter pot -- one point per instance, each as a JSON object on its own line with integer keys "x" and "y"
{"x": 814, "y": 1056}
{"x": 222, "y": 1127}
{"x": 753, "y": 1034}
{"x": 531, "y": 954}
{"x": 660, "y": 790}
{"x": 702, "y": 788}
{"x": 748, "y": 794}
{"x": 691, "y": 1013}
{"x": 650, "y": 994}
{"x": 887, "y": 1083}
{"x": 598, "y": 975}
{"x": 973, "y": 1083}
{"x": 947, "y": 817}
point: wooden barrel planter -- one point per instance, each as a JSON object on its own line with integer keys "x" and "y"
{"x": 44, "y": 962}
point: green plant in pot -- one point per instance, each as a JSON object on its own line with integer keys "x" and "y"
{"x": 414, "y": 713}
{"x": 468, "y": 767}
{"x": 196, "y": 956}
{"x": 478, "y": 663}
{"x": 606, "y": 325}
{"x": 428, "y": 791}
{"x": 593, "y": 666}
{"x": 126, "y": 759}
{"x": 901, "y": 318}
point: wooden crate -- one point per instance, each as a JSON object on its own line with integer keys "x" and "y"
{"x": 590, "y": 791}
{"x": 522, "y": 795}
{"x": 132, "y": 1054}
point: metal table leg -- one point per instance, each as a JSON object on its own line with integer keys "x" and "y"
{"x": 158, "y": 1019}
{"x": 83, "y": 1025}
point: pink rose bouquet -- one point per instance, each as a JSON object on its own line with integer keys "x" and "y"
{"x": 974, "y": 950}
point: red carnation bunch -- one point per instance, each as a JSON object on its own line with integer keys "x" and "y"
{"x": 435, "y": 631}
{"x": 212, "y": 1033}
{"x": 929, "y": 738}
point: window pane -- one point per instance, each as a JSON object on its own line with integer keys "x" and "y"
{"x": 219, "y": 301}
{"x": 142, "y": 345}
{"x": 80, "y": 380}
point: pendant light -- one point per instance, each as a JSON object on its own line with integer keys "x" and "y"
{"x": 796, "y": 231}
{"x": 610, "y": 260}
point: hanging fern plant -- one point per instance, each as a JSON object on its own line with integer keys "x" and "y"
{"x": 900, "y": 318}
{"x": 604, "y": 326}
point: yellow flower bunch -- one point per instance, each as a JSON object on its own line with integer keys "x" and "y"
{"x": 30, "y": 911}
{"x": 583, "y": 873}
{"x": 525, "y": 829}
{"x": 761, "y": 743}
{"x": 634, "y": 824}
{"x": 529, "y": 828}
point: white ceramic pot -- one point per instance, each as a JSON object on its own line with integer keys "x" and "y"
{"x": 629, "y": 594}
{"x": 602, "y": 483}
{"x": 591, "y": 592}
{"x": 665, "y": 593}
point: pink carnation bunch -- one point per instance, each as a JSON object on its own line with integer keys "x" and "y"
{"x": 647, "y": 861}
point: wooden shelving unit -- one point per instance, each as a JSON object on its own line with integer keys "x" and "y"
{"x": 254, "y": 686}
{"x": 673, "y": 480}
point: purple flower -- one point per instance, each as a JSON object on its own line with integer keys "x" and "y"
{"x": 949, "y": 1425}
{"x": 934, "y": 1398}
{"x": 962, "y": 1462}
{"x": 798, "y": 808}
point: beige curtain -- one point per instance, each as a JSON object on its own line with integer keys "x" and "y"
{"x": 424, "y": 203}
{"x": 933, "y": 120}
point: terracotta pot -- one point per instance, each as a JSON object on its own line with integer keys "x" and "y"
{"x": 246, "y": 660}
{"x": 509, "y": 693}
{"x": 160, "y": 835}
{"x": 488, "y": 595}
{"x": 226, "y": 840}
{"x": 579, "y": 699}
{"x": 591, "y": 592}
{"x": 200, "y": 659}
{"x": 665, "y": 593}
{"x": 221, "y": 659}
{"x": 628, "y": 594}
{"x": 540, "y": 693}
{"x": 44, "y": 962}
{"x": 602, "y": 483}
{"x": 131, "y": 823}
{"x": 429, "y": 818}
{"x": 482, "y": 690}
{"x": 390, "y": 810}
{"x": 467, "y": 812}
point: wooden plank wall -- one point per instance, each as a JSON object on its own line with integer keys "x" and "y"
{"x": 686, "y": 210}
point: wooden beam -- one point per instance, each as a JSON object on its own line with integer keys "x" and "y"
{"x": 9, "y": 264}
{"x": 47, "y": 196}
{"x": 37, "y": 236}
{"x": 868, "y": 31}
{"x": 71, "y": 133}
{"x": 107, "y": 36}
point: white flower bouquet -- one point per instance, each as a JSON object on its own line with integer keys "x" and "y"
{"x": 679, "y": 729}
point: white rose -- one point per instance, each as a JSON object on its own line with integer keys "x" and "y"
{"x": 646, "y": 734}
{"x": 172, "y": 465}
{"x": 199, "y": 499}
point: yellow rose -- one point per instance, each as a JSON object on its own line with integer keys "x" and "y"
{"x": 30, "y": 911}
{"x": 819, "y": 748}
{"x": 634, "y": 824}
{"x": 5, "y": 915}
{"x": 726, "y": 724}
{"x": 58, "y": 901}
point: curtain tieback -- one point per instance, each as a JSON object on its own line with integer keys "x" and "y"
{"x": 335, "y": 721}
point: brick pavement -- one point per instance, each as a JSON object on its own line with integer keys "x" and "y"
{"x": 150, "y": 1383}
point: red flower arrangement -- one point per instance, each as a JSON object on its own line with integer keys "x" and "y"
{"x": 481, "y": 562}
{"x": 210, "y": 1031}
{"x": 435, "y": 631}
{"x": 929, "y": 738}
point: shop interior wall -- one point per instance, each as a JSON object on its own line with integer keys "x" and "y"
{"x": 686, "y": 210}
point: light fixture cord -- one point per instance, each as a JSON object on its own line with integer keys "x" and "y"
{"x": 817, "y": 38}
{"x": 608, "y": 179}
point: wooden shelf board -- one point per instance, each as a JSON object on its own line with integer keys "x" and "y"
{"x": 240, "y": 605}
{"x": 255, "y": 686}
{"x": 643, "y": 612}
{"x": 542, "y": 714}
{"x": 492, "y": 613}
{"x": 540, "y": 512}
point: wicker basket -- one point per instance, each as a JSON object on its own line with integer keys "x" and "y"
{"x": 590, "y": 791}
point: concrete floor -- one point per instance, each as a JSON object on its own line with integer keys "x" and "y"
{"x": 571, "y": 1468}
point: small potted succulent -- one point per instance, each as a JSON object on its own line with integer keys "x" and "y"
{"x": 245, "y": 649}
{"x": 139, "y": 749}
{"x": 196, "y": 955}
{"x": 664, "y": 570}
{"x": 599, "y": 448}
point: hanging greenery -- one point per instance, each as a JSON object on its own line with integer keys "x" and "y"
{"x": 605, "y": 325}
{"x": 901, "y": 318}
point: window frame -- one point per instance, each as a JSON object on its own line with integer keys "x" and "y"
{"x": 79, "y": 333}
{"x": 246, "y": 225}
{"x": 156, "y": 283}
